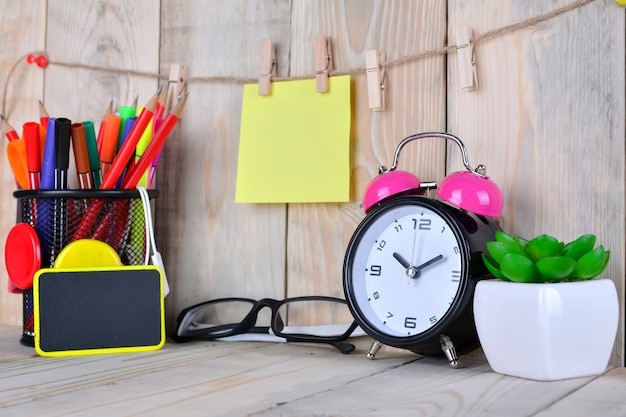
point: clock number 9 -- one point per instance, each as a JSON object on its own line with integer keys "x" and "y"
{"x": 376, "y": 270}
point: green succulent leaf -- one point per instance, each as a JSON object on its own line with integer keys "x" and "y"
{"x": 544, "y": 258}
{"x": 504, "y": 237}
{"x": 543, "y": 246}
{"x": 522, "y": 242}
{"x": 519, "y": 268}
{"x": 607, "y": 256}
{"x": 579, "y": 247}
{"x": 591, "y": 264}
{"x": 556, "y": 268}
{"x": 493, "y": 267}
{"x": 498, "y": 249}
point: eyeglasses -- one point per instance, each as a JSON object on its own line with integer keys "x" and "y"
{"x": 292, "y": 320}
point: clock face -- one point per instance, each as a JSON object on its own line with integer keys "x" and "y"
{"x": 405, "y": 268}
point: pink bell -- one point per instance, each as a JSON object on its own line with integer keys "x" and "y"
{"x": 388, "y": 184}
{"x": 472, "y": 192}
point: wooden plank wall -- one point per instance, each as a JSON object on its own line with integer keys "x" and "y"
{"x": 547, "y": 120}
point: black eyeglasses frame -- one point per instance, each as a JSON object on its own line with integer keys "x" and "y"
{"x": 248, "y": 324}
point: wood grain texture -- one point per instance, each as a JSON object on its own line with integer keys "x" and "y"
{"x": 101, "y": 33}
{"x": 548, "y": 120}
{"x": 284, "y": 379}
{"x": 602, "y": 397}
{"x": 23, "y": 31}
{"x": 211, "y": 246}
{"x": 109, "y": 34}
{"x": 428, "y": 388}
{"x": 319, "y": 233}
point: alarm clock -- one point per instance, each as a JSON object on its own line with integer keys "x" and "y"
{"x": 412, "y": 264}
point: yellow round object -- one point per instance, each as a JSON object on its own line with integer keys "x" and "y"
{"x": 87, "y": 253}
{"x": 621, "y": 2}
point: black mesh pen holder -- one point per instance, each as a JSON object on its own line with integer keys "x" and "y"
{"x": 60, "y": 217}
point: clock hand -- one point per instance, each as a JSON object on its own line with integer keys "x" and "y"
{"x": 416, "y": 269}
{"x": 402, "y": 261}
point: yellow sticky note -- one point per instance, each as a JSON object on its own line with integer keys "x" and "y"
{"x": 294, "y": 144}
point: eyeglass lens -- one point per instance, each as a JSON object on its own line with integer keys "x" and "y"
{"x": 314, "y": 317}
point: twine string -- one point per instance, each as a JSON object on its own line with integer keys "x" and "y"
{"x": 352, "y": 71}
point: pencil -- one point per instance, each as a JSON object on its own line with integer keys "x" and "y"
{"x": 43, "y": 115}
{"x": 101, "y": 128}
{"x": 134, "y": 175}
{"x": 9, "y": 131}
{"x": 128, "y": 148}
{"x": 160, "y": 107}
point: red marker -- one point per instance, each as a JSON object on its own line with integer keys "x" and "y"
{"x": 33, "y": 154}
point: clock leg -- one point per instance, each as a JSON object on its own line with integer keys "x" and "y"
{"x": 448, "y": 348}
{"x": 371, "y": 353}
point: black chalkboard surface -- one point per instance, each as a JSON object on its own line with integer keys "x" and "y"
{"x": 100, "y": 310}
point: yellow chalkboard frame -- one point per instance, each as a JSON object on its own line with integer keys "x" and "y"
{"x": 98, "y": 310}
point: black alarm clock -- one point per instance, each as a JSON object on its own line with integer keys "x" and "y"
{"x": 412, "y": 264}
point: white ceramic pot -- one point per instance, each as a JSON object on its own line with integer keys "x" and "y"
{"x": 547, "y": 332}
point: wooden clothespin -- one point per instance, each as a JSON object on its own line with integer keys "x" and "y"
{"x": 375, "y": 79}
{"x": 467, "y": 64}
{"x": 323, "y": 62}
{"x": 176, "y": 85}
{"x": 267, "y": 67}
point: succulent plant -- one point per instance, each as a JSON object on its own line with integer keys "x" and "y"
{"x": 544, "y": 258}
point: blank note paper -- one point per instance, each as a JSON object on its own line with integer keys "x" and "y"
{"x": 295, "y": 143}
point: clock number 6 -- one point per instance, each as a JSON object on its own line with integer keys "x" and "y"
{"x": 410, "y": 322}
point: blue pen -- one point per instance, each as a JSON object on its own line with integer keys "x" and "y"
{"x": 45, "y": 208}
{"x": 49, "y": 158}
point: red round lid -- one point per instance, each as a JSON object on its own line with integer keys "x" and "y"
{"x": 22, "y": 255}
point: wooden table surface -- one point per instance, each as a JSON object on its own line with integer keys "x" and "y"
{"x": 277, "y": 379}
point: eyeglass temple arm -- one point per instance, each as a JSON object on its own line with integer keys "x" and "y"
{"x": 343, "y": 347}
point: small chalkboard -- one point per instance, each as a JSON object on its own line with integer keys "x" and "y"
{"x": 99, "y": 310}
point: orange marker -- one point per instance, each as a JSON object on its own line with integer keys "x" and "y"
{"x": 109, "y": 142}
{"x": 81, "y": 156}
